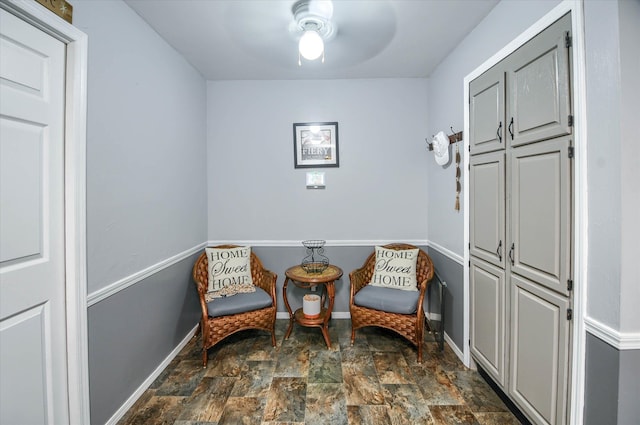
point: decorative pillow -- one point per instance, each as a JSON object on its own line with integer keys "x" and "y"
{"x": 229, "y": 272}
{"x": 395, "y": 269}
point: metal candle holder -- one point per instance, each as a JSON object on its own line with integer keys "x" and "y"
{"x": 314, "y": 262}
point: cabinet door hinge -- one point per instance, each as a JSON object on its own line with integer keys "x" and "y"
{"x": 570, "y": 121}
{"x": 570, "y": 285}
{"x": 569, "y": 314}
{"x": 469, "y": 245}
{"x": 568, "y": 42}
{"x": 570, "y": 152}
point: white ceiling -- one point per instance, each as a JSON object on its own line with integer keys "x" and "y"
{"x": 250, "y": 39}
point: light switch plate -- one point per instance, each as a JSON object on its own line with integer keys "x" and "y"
{"x": 315, "y": 180}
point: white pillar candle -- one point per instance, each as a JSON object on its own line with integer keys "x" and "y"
{"x": 311, "y": 305}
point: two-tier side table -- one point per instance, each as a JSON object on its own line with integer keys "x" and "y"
{"x": 302, "y": 279}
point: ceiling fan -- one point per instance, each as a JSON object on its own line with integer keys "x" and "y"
{"x": 351, "y": 31}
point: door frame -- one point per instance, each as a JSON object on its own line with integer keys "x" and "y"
{"x": 75, "y": 122}
{"x": 579, "y": 215}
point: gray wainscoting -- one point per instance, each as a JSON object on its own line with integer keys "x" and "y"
{"x": 601, "y": 382}
{"x": 132, "y": 332}
{"x": 612, "y": 384}
{"x": 629, "y": 387}
{"x": 348, "y": 258}
{"x": 451, "y": 272}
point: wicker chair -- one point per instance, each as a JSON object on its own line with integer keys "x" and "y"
{"x": 410, "y": 326}
{"x": 215, "y": 329}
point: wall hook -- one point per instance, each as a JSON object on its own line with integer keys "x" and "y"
{"x": 453, "y": 138}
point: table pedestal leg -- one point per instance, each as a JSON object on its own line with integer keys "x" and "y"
{"x": 286, "y": 303}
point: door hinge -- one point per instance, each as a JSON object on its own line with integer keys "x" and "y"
{"x": 570, "y": 285}
{"x": 568, "y": 42}
{"x": 570, "y": 152}
{"x": 469, "y": 245}
{"x": 569, "y": 314}
{"x": 570, "y": 123}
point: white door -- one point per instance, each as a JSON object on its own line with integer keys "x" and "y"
{"x": 33, "y": 387}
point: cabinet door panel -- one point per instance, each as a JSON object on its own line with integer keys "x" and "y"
{"x": 539, "y": 95}
{"x": 539, "y": 351}
{"x": 486, "y": 111}
{"x": 487, "y": 207}
{"x": 487, "y": 333}
{"x": 540, "y": 182}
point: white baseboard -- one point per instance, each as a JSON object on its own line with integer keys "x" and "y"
{"x": 454, "y": 347}
{"x": 340, "y": 315}
{"x": 147, "y": 382}
{"x": 434, "y": 316}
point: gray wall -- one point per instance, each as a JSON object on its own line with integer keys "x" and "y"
{"x": 146, "y": 197}
{"x": 278, "y": 259}
{"x": 612, "y": 66}
{"x": 629, "y": 13}
{"x": 451, "y": 272}
{"x": 132, "y": 332}
{"x": 601, "y": 377}
{"x": 146, "y": 186}
{"x": 152, "y": 188}
{"x": 446, "y": 107}
{"x": 613, "y": 384}
{"x": 378, "y": 192}
{"x": 604, "y": 157}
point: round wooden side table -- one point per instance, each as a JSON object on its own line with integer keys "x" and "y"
{"x": 302, "y": 279}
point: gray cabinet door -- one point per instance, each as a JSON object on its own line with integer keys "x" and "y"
{"x": 487, "y": 207}
{"x": 487, "y": 304}
{"x": 486, "y": 111}
{"x": 538, "y": 87}
{"x": 540, "y": 214}
{"x": 539, "y": 351}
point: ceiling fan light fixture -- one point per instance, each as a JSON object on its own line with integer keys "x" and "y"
{"x": 311, "y": 45}
{"x": 312, "y": 27}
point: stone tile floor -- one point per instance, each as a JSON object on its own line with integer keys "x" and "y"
{"x": 376, "y": 381}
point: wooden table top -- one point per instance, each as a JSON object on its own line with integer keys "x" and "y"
{"x": 298, "y": 274}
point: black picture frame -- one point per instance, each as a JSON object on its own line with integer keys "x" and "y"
{"x": 315, "y": 145}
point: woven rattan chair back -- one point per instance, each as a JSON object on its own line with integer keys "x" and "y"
{"x": 215, "y": 329}
{"x": 410, "y": 326}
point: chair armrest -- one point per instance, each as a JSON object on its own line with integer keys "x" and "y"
{"x": 358, "y": 279}
{"x": 422, "y": 287}
{"x": 267, "y": 281}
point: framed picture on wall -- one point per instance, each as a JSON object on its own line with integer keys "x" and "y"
{"x": 315, "y": 144}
